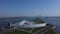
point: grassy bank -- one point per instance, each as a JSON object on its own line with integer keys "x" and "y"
{"x": 17, "y": 32}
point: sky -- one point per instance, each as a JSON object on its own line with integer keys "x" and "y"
{"x": 14, "y": 8}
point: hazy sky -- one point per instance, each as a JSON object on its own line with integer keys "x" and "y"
{"x": 10, "y": 8}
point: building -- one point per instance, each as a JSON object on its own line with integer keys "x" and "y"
{"x": 27, "y": 24}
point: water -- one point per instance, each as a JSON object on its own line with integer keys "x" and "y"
{"x": 14, "y": 20}
{"x": 54, "y": 21}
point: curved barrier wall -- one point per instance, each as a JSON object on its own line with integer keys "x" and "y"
{"x": 32, "y": 25}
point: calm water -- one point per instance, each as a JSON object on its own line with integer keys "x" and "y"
{"x": 55, "y": 21}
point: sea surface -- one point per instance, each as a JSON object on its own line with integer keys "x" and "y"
{"x": 51, "y": 20}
